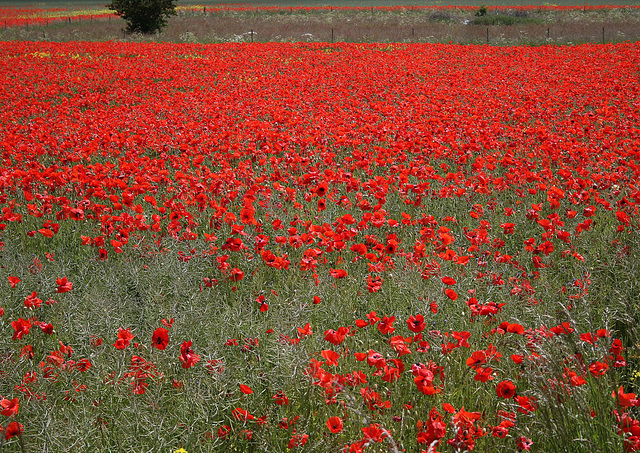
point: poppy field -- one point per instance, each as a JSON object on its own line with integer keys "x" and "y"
{"x": 461, "y": 24}
{"x": 319, "y": 247}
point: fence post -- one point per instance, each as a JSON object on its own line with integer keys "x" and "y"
{"x": 332, "y": 35}
{"x": 602, "y": 35}
{"x": 547, "y": 32}
{"x": 487, "y": 35}
{"x": 251, "y": 35}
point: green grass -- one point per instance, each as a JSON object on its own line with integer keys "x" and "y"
{"x": 504, "y": 19}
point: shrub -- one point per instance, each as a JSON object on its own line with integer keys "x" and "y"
{"x": 482, "y": 11}
{"x": 144, "y": 16}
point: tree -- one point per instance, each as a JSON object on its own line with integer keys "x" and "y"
{"x": 144, "y": 16}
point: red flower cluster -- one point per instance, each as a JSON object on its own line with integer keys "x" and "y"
{"x": 262, "y": 189}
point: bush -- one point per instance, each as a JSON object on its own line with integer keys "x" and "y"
{"x": 482, "y": 11}
{"x": 144, "y": 16}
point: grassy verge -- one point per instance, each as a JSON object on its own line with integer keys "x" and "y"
{"x": 456, "y": 25}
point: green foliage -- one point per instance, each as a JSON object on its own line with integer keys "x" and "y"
{"x": 502, "y": 19}
{"x": 482, "y": 11}
{"x": 144, "y": 16}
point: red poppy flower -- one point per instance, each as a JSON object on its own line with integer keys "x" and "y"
{"x": 46, "y": 328}
{"x": 83, "y": 365}
{"x": 46, "y": 232}
{"x": 236, "y": 275}
{"x": 448, "y": 281}
{"x": 21, "y": 328}
{"x": 385, "y": 326}
{"x": 502, "y": 429}
{"x": 506, "y": 389}
{"x": 224, "y": 431}
{"x": 297, "y": 440}
{"x": 515, "y": 328}
{"x": 375, "y": 359}
{"x": 124, "y": 338}
{"x": 523, "y": 443}
{"x": 448, "y": 408}
{"x": 335, "y": 424}
{"x": 9, "y": 407}
{"x": 624, "y": 399}
{"x": 321, "y": 189}
{"x": 373, "y": 432}
{"x": 527, "y": 404}
{"x": 13, "y": 429}
{"x": 187, "y": 356}
{"x": 331, "y": 357}
{"x": 263, "y": 305}
{"x": 416, "y": 323}
{"x": 32, "y": 301}
{"x": 280, "y": 399}
{"x": 484, "y": 374}
{"x": 246, "y": 389}
{"x": 13, "y": 281}
{"x": 63, "y": 285}
{"x": 305, "y": 331}
{"x": 336, "y": 337}
{"x": 241, "y": 414}
{"x": 160, "y": 338}
{"x": 338, "y": 273}
{"x": 476, "y": 359}
{"x": 598, "y": 369}
{"x": 27, "y": 351}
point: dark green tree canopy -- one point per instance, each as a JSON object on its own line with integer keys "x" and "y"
{"x": 144, "y": 16}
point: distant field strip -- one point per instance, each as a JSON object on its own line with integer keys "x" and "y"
{"x": 501, "y": 25}
{"x": 28, "y": 15}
